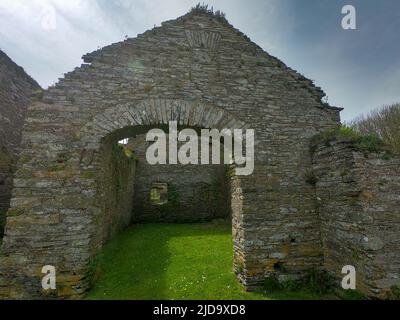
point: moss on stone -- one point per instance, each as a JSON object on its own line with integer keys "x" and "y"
{"x": 76, "y": 136}
{"x": 25, "y": 158}
{"x": 6, "y": 158}
{"x": 394, "y": 293}
{"x": 15, "y": 212}
{"x": 38, "y": 94}
{"x": 92, "y": 268}
{"x": 57, "y": 167}
{"x": 89, "y": 174}
{"x": 71, "y": 99}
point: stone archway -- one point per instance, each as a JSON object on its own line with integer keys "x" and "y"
{"x": 156, "y": 112}
{"x": 82, "y": 215}
{"x": 118, "y": 122}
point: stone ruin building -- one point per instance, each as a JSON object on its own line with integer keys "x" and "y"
{"x": 302, "y": 208}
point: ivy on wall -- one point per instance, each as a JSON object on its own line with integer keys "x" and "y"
{"x": 173, "y": 202}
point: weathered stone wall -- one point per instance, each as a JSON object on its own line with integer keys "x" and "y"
{"x": 359, "y": 207}
{"x": 116, "y": 188}
{"x": 199, "y": 71}
{"x": 15, "y": 91}
{"x": 197, "y": 192}
{"x": 16, "y": 88}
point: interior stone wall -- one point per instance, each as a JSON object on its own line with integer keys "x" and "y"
{"x": 116, "y": 188}
{"x": 359, "y": 206}
{"x": 198, "y": 192}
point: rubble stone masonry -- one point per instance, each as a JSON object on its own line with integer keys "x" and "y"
{"x": 16, "y": 88}
{"x": 359, "y": 205}
{"x": 200, "y": 71}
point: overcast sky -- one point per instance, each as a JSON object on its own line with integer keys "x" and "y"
{"x": 358, "y": 69}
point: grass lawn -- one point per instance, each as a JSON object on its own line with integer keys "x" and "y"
{"x": 174, "y": 261}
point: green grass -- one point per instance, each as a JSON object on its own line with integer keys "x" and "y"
{"x": 175, "y": 261}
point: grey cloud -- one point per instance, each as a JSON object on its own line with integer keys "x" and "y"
{"x": 358, "y": 71}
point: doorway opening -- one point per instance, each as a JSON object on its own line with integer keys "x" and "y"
{"x": 133, "y": 193}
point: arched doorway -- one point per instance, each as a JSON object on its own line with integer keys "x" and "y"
{"x": 100, "y": 137}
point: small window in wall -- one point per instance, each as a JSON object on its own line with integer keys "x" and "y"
{"x": 159, "y": 194}
{"x": 202, "y": 192}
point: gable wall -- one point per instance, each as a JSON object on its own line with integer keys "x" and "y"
{"x": 213, "y": 64}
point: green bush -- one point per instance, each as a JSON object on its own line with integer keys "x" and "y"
{"x": 315, "y": 281}
{"x": 362, "y": 142}
{"x": 292, "y": 285}
{"x": 272, "y": 284}
{"x": 319, "y": 282}
{"x": 350, "y": 295}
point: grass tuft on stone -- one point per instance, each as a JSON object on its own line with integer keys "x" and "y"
{"x": 37, "y": 94}
{"x": 206, "y": 9}
{"x": 315, "y": 282}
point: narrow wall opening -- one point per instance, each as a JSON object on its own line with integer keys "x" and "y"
{"x": 115, "y": 176}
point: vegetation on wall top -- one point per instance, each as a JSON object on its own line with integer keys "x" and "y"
{"x": 383, "y": 122}
{"x": 205, "y": 9}
{"x": 370, "y": 142}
